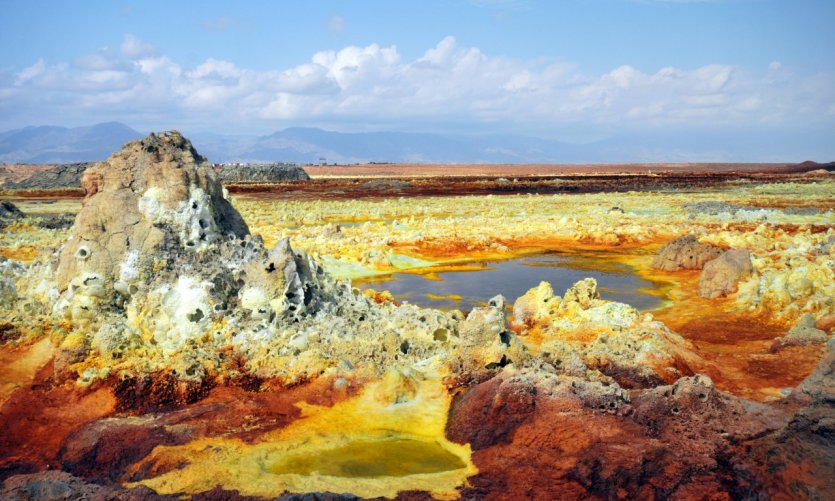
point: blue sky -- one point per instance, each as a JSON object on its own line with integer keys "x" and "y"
{"x": 571, "y": 69}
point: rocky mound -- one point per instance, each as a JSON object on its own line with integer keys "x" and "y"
{"x": 584, "y": 336}
{"x": 147, "y": 203}
{"x": 8, "y": 213}
{"x": 59, "y": 176}
{"x": 260, "y": 173}
{"x": 160, "y": 275}
{"x": 684, "y": 253}
{"x": 722, "y": 275}
{"x": 804, "y": 332}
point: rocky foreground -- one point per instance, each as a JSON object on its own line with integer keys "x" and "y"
{"x": 164, "y": 350}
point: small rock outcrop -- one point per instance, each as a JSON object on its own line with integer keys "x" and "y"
{"x": 685, "y": 253}
{"x": 722, "y": 275}
{"x": 585, "y": 336}
{"x": 8, "y": 213}
{"x": 260, "y": 173}
{"x": 59, "y": 176}
{"x": 804, "y": 332}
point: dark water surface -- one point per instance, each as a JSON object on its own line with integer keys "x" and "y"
{"x": 512, "y": 278}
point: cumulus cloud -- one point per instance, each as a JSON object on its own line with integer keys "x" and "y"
{"x": 133, "y": 47}
{"x": 448, "y": 83}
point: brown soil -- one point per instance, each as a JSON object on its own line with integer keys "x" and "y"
{"x": 525, "y": 170}
{"x": 358, "y": 187}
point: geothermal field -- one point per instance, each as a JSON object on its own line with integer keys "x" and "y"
{"x": 516, "y": 332}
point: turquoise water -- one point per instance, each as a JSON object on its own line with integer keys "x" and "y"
{"x": 512, "y": 278}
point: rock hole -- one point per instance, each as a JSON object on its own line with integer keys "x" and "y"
{"x": 196, "y": 316}
{"x": 404, "y": 347}
{"x": 270, "y": 268}
{"x": 190, "y": 243}
{"x": 194, "y": 205}
{"x": 440, "y": 335}
{"x": 675, "y": 410}
{"x": 504, "y": 337}
{"x": 702, "y": 396}
{"x": 361, "y": 318}
{"x": 501, "y": 363}
{"x": 203, "y": 223}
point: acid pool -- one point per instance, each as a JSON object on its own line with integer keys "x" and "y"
{"x": 474, "y": 284}
{"x": 394, "y": 457}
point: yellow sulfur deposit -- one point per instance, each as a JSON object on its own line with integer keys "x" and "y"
{"x": 386, "y": 439}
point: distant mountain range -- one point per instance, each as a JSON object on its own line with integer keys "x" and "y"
{"x": 50, "y": 144}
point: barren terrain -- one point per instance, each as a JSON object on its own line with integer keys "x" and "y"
{"x": 149, "y": 348}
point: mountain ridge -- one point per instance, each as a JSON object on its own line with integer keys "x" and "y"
{"x": 309, "y": 145}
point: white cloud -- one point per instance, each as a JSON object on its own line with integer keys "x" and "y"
{"x": 375, "y": 86}
{"x": 30, "y": 72}
{"x": 133, "y": 47}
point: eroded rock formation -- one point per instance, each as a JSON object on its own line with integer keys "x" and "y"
{"x": 685, "y": 253}
{"x": 722, "y": 275}
{"x": 681, "y": 441}
{"x": 145, "y": 205}
{"x": 585, "y": 336}
{"x": 804, "y": 332}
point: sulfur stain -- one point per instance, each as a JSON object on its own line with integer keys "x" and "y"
{"x": 387, "y": 457}
{"x": 18, "y": 368}
{"x": 388, "y": 438}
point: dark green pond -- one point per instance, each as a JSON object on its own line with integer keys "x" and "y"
{"x": 514, "y": 277}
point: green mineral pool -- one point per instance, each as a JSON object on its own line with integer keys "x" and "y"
{"x": 395, "y": 457}
{"x": 513, "y": 277}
